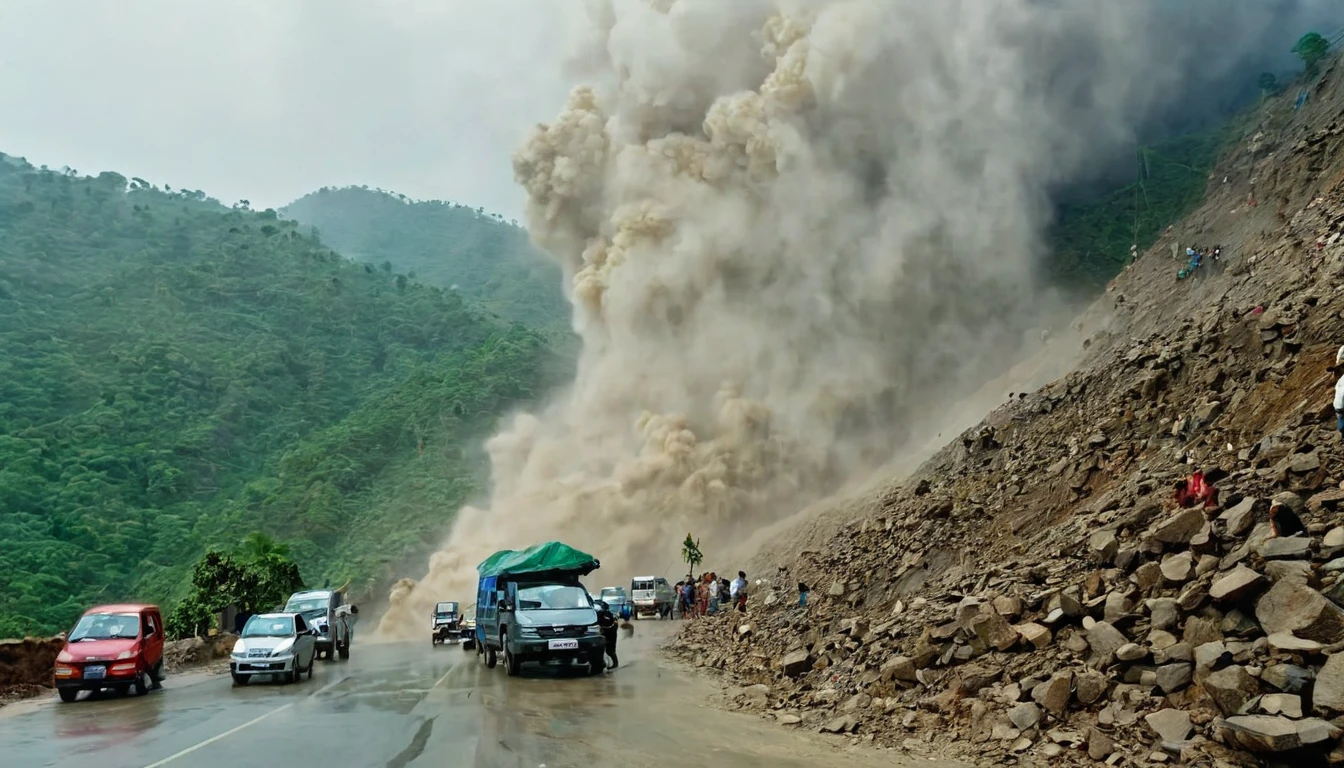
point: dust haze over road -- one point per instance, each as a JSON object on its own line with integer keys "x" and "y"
{"x": 793, "y": 231}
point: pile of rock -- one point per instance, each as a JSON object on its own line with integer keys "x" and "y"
{"x": 195, "y": 651}
{"x": 1033, "y": 594}
{"x": 1189, "y": 637}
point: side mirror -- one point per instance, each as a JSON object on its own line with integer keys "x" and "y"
{"x": 505, "y": 605}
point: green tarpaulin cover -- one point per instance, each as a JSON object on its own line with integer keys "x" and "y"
{"x": 551, "y": 556}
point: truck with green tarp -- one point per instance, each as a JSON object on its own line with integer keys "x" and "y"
{"x": 531, "y": 607}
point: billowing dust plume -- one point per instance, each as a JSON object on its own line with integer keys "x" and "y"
{"x": 791, "y": 231}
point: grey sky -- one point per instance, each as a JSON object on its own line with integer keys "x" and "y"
{"x": 270, "y": 99}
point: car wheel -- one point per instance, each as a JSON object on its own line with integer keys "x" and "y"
{"x": 156, "y": 676}
{"x": 512, "y": 666}
{"x": 143, "y": 683}
{"x": 596, "y": 663}
{"x": 344, "y": 649}
{"x": 491, "y": 658}
{"x": 68, "y": 694}
{"x": 239, "y": 679}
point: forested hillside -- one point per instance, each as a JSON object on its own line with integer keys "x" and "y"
{"x": 1091, "y": 238}
{"x": 175, "y": 374}
{"x": 487, "y": 259}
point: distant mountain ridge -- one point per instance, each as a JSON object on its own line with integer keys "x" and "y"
{"x": 176, "y": 374}
{"x": 485, "y": 258}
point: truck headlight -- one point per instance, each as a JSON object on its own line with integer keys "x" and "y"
{"x": 593, "y": 630}
{"x": 527, "y": 632}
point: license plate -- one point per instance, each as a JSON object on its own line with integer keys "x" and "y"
{"x": 563, "y": 645}
{"x": 95, "y": 673}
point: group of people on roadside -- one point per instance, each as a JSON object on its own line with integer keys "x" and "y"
{"x": 704, "y": 594}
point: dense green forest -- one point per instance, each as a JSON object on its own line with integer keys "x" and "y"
{"x": 485, "y": 258}
{"x": 1091, "y": 237}
{"x": 176, "y": 375}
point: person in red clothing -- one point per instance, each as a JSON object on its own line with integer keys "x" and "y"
{"x": 1196, "y": 490}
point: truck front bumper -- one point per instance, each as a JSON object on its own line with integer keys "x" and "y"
{"x": 540, "y": 650}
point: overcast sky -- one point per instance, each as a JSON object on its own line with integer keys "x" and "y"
{"x": 270, "y": 99}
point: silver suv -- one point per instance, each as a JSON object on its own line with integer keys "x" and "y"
{"x": 328, "y": 613}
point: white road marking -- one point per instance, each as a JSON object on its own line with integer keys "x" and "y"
{"x": 238, "y": 728}
{"x": 213, "y": 739}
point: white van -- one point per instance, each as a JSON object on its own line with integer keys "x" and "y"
{"x": 652, "y": 596}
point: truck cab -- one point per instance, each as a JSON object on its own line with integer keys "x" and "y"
{"x": 651, "y": 596}
{"x": 531, "y": 607}
{"x": 326, "y": 611}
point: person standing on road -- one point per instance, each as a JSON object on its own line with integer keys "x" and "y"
{"x": 739, "y": 592}
{"x": 713, "y": 593}
{"x": 606, "y": 624}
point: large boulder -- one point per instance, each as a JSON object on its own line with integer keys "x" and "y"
{"x": 1230, "y": 688}
{"x": 1241, "y": 583}
{"x": 1329, "y": 693}
{"x": 1181, "y": 527}
{"x": 797, "y": 662}
{"x": 1299, "y": 610}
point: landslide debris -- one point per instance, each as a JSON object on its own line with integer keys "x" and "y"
{"x": 1034, "y": 595}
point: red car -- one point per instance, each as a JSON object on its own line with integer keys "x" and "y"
{"x": 112, "y": 646}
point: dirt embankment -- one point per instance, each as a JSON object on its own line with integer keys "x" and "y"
{"x": 26, "y": 665}
{"x": 1033, "y": 595}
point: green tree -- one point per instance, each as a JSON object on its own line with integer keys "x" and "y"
{"x": 690, "y": 553}
{"x": 1312, "y": 48}
{"x": 256, "y": 581}
{"x": 1269, "y": 84}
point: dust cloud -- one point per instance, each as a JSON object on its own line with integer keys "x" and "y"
{"x": 792, "y": 233}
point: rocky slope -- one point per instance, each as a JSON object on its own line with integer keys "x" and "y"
{"x": 1033, "y": 594}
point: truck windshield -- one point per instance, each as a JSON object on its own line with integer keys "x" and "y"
{"x": 642, "y": 585}
{"x": 552, "y": 597}
{"x": 307, "y": 605}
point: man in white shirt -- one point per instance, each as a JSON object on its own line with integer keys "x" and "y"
{"x": 738, "y": 591}
{"x": 1339, "y": 393}
{"x": 713, "y": 593}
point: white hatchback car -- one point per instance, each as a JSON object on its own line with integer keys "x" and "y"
{"x": 274, "y": 644}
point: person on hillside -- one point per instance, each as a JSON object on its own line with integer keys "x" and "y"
{"x": 713, "y": 593}
{"x": 739, "y": 592}
{"x": 802, "y": 595}
{"x": 1194, "y": 490}
{"x": 606, "y": 624}
{"x": 1283, "y": 519}
{"x": 1339, "y": 392}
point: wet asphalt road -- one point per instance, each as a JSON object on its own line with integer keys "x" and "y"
{"x": 410, "y": 705}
